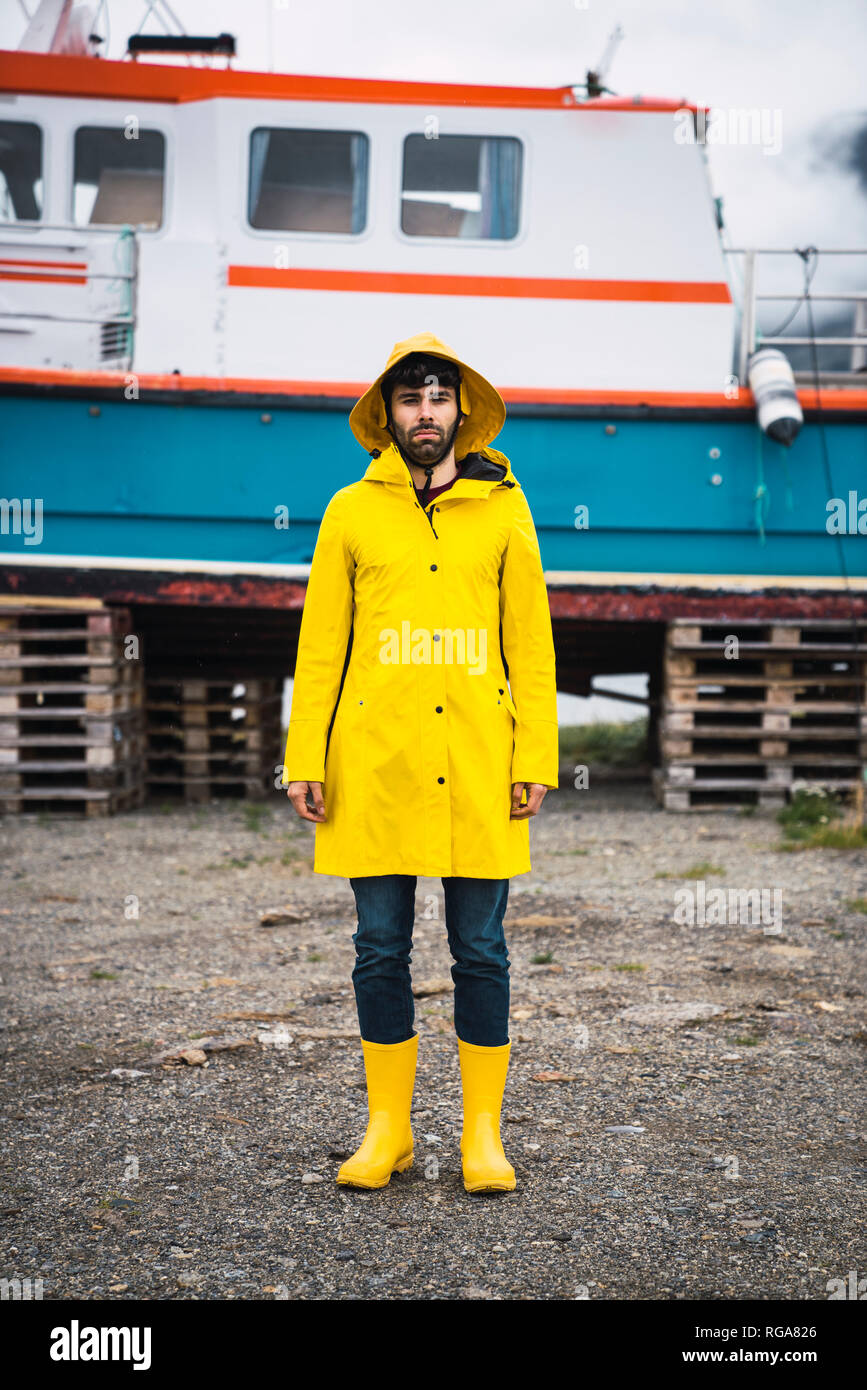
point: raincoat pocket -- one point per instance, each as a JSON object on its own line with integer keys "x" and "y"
{"x": 346, "y": 763}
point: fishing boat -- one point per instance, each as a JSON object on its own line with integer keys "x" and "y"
{"x": 202, "y": 268}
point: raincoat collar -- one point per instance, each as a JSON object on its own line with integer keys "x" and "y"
{"x": 481, "y": 471}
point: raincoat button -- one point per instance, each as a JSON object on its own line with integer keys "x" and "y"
{"x": 439, "y": 709}
{"x": 436, "y": 637}
{"x": 499, "y": 692}
{"x": 441, "y": 779}
{"x": 433, "y": 567}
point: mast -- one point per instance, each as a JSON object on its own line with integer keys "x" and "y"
{"x": 61, "y": 26}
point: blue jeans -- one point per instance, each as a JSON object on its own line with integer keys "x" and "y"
{"x": 474, "y": 909}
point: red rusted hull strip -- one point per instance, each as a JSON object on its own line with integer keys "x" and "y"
{"x": 581, "y": 603}
{"x": 661, "y": 605}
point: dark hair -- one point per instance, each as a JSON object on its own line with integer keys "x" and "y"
{"x": 413, "y": 369}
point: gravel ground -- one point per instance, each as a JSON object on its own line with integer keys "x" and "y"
{"x": 733, "y": 1053}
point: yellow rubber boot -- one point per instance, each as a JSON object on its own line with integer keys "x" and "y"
{"x": 483, "y": 1077}
{"x": 387, "y": 1145}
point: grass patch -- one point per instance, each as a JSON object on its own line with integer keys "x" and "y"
{"x": 857, "y": 904}
{"x": 254, "y": 816}
{"x": 829, "y": 837}
{"x": 117, "y": 1200}
{"x": 312, "y": 959}
{"x": 812, "y": 820}
{"x": 629, "y": 965}
{"x": 245, "y": 861}
{"x": 102, "y": 975}
{"x": 808, "y": 808}
{"x": 745, "y": 1042}
{"x": 614, "y": 744}
{"x": 542, "y": 958}
{"x": 696, "y": 871}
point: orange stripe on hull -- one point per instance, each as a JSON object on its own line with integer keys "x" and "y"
{"x": 831, "y": 400}
{"x": 46, "y": 265}
{"x": 45, "y": 279}
{"x": 482, "y": 286}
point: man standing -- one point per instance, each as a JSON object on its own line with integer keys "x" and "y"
{"x": 426, "y": 623}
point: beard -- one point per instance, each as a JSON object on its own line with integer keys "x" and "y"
{"x": 425, "y": 451}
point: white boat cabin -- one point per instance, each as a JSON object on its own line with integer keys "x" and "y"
{"x": 272, "y": 228}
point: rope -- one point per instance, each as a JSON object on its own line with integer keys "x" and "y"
{"x": 761, "y": 497}
{"x": 784, "y": 455}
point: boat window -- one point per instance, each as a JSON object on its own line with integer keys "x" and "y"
{"x": 461, "y": 186}
{"x": 118, "y": 176}
{"x": 307, "y": 180}
{"x": 20, "y": 171}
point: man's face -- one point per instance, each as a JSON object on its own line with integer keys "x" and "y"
{"x": 423, "y": 419}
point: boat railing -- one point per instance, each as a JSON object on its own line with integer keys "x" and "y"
{"x": 750, "y": 337}
{"x": 119, "y": 318}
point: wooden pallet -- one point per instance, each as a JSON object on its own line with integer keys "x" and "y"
{"x": 213, "y": 738}
{"x": 72, "y": 734}
{"x": 788, "y": 703}
{"x": 112, "y": 745}
{"x": 83, "y": 801}
{"x": 191, "y": 788}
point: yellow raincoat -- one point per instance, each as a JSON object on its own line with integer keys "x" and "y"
{"x": 428, "y": 734}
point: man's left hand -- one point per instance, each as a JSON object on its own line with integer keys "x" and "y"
{"x": 535, "y": 796}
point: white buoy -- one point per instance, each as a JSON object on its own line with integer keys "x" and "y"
{"x": 772, "y": 383}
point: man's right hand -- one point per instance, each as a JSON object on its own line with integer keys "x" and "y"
{"x": 298, "y": 793}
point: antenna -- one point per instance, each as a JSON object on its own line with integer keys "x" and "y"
{"x": 152, "y": 7}
{"x": 596, "y": 76}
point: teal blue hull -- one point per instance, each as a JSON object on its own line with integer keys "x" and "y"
{"x": 197, "y": 482}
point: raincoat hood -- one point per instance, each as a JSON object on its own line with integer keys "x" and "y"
{"x": 481, "y": 404}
